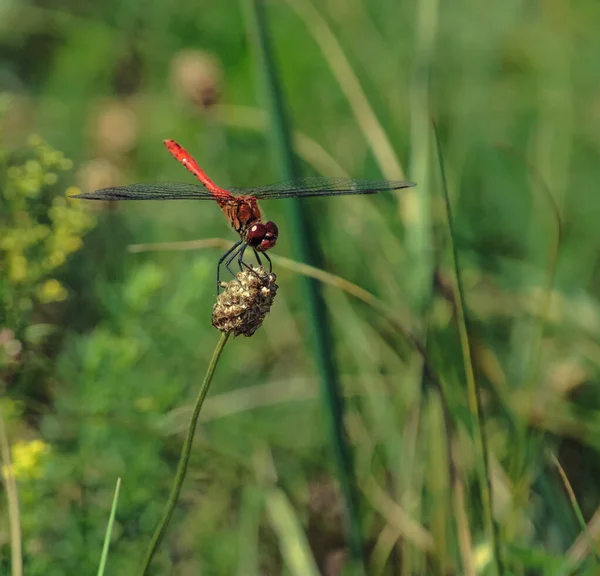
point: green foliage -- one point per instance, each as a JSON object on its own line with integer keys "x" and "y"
{"x": 38, "y": 230}
{"x": 102, "y": 350}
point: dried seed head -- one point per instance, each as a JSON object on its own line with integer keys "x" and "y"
{"x": 246, "y": 300}
{"x": 96, "y": 174}
{"x": 114, "y": 128}
{"x": 197, "y": 77}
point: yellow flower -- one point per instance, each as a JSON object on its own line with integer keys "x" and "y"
{"x": 27, "y": 459}
{"x": 57, "y": 258}
{"x": 52, "y": 291}
{"x": 73, "y": 244}
{"x": 35, "y": 141}
{"x": 18, "y": 268}
{"x": 50, "y": 178}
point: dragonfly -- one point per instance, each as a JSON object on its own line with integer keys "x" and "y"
{"x": 240, "y": 205}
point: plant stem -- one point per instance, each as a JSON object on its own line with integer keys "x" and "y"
{"x": 473, "y": 393}
{"x": 184, "y": 457}
{"x": 109, "y": 528}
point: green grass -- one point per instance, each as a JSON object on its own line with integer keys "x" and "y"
{"x": 464, "y": 358}
{"x": 109, "y": 528}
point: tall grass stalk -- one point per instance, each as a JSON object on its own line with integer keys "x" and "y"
{"x": 524, "y": 434}
{"x": 14, "y": 517}
{"x": 581, "y": 547}
{"x": 473, "y": 394}
{"x": 307, "y": 251}
{"x": 578, "y": 514}
{"x": 415, "y": 203}
{"x": 109, "y": 527}
{"x": 184, "y": 457}
{"x": 251, "y": 118}
{"x": 373, "y": 131}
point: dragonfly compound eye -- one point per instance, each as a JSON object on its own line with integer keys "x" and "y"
{"x": 256, "y": 234}
{"x": 270, "y": 236}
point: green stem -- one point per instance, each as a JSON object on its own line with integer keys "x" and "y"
{"x": 184, "y": 458}
{"x": 111, "y": 522}
{"x": 473, "y": 393}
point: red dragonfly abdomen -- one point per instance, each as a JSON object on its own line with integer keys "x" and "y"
{"x": 184, "y": 157}
{"x": 240, "y": 211}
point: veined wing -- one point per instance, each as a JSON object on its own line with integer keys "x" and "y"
{"x": 320, "y": 186}
{"x": 154, "y": 191}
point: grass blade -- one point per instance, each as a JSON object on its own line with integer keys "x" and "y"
{"x": 14, "y": 518}
{"x": 473, "y": 395}
{"x": 416, "y": 203}
{"x": 578, "y": 514}
{"x": 376, "y": 136}
{"x": 109, "y": 527}
{"x": 185, "y": 456}
{"x": 293, "y": 543}
{"x": 250, "y": 118}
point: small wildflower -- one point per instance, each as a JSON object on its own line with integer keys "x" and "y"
{"x": 65, "y": 164}
{"x": 52, "y": 291}
{"x": 145, "y": 404}
{"x": 17, "y": 270}
{"x": 27, "y": 459}
{"x": 72, "y": 190}
{"x": 246, "y": 300}
{"x": 50, "y": 178}
{"x": 35, "y": 141}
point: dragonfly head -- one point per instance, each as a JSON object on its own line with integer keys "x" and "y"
{"x": 261, "y": 236}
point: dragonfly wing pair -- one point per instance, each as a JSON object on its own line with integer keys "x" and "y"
{"x": 304, "y": 187}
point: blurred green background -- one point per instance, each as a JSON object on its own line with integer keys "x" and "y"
{"x": 102, "y": 349}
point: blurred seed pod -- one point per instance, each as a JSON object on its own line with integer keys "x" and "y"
{"x": 128, "y": 72}
{"x": 10, "y": 347}
{"x": 568, "y": 375}
{"x": 96, "y": 174}
{"x": 336, "y": 562}
{"x": 17, "y": 119}
{"x": 6, "y": 335}
{"x": 245, "y": 302}
{"x": 114, "y": 129}
{"x": 196, "y": 76}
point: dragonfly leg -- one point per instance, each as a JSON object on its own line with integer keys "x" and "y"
{"x": 230, "y": 259}
{"x": 243, "y": 264}
{"x": 269, "y": 261}
{"x": 257, "y": 257}
{"x": 233, "y": 249}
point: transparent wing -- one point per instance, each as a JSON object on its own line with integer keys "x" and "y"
{"x": 151, "y": 191}
{"x": 315, "y": 186}
{"x": 319, "y": 186}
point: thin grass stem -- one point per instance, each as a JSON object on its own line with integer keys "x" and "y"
{"x": 473, "y": 393}
{"x": 334, "y": 55}
{"x": 109, "y": 527}
{"x": 184, "y": 457}
{"x": 14, "y": 518}
{"x": 576, "y": 508}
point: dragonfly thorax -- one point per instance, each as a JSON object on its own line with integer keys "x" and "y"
{"x": 262, "y": 236}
